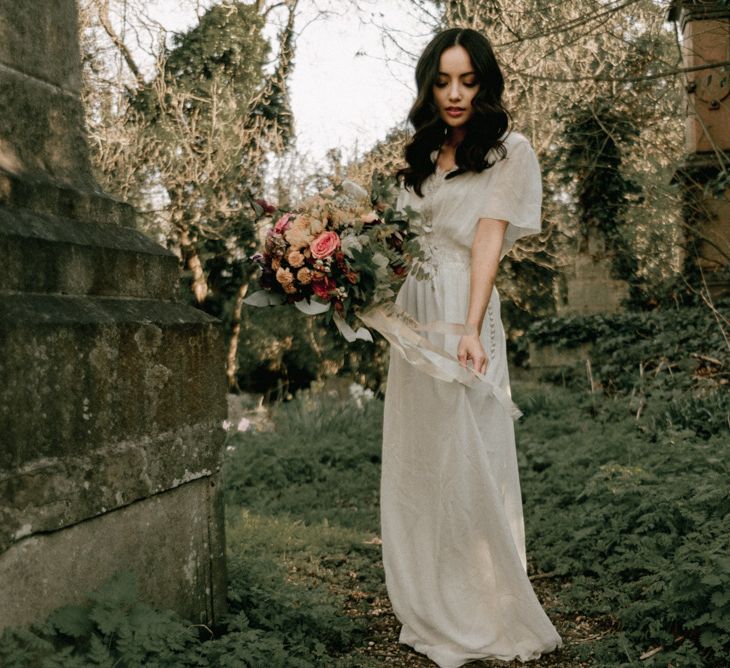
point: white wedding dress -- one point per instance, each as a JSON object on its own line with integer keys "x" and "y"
{"x": 451, "y": 510}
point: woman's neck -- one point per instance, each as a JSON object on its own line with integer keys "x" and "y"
{"x": 454, "y": 137}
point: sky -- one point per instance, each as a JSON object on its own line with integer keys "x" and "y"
{"x": 339, "y": 99}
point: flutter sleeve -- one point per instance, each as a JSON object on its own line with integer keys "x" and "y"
{"x": 514, "y": 193}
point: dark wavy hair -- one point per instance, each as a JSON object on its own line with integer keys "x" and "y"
{"x": 484, "y": 130}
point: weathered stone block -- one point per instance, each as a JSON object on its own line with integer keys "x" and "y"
{"x": 591, "y": 288}
{"x": 41, "y": 44}
{"x": 42, "y": 134}
{"x": 113, "y": 393}
{"x": 103, "y": 401}
{"x": 67, "y": 202}
{"x": 173, "y": 542}
{"x": 50, "y": 254}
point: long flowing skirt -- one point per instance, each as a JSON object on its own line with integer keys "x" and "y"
{"x": 451, "y": 508}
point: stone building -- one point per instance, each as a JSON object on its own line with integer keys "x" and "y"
{"x": 112, "y": 391}
{"x": 705, "y": 40}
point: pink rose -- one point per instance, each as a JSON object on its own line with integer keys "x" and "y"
{"x": 282, "y": 224}
{"x": 325, "y": 244}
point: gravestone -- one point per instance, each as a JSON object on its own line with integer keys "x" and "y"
{"x": 705, "y": 30}
{"x": 590, "y": 286}
{"x": 112, "y": 391}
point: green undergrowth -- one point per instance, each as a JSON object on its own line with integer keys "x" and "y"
{"x": 320, "y": 464}
{"x": 626, "y": 517}
{"x": 673, "y": 363}
{"x": 634, "y": 522}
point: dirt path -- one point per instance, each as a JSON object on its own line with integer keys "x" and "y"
{"x": 382, "y": 646}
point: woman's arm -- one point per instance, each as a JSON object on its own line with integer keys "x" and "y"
{"x": 485, "y": 251}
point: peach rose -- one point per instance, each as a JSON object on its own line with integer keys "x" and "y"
{"x": 325, "y": 244}
{"x": 284, "y": 276}
{"x": 299, "y": 235}
{"x": 295, "y": 259}
{"x": 290, "y": 289}
{"x": 304, "y": 276}
{"x": 275, "y": 263}
{"x": 316, "y": 226}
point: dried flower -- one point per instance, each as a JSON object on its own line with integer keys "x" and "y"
{"x": 304, "y": 276}
{"x": 299, "y": 234}
{"x": 284, "y": 276}
{"x": 295, "y": 259}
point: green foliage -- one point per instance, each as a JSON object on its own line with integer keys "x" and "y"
{"x": 321, "y": 461}
{"x": 225, "y": 49}
{"x": 649, "y": 524}
{"x": 308, "y": 621}
{"x": 271, "y": 623}
{"x": 674, "y": 363}
{"x": 111, "y": 629}
{"x": 591, "y": 163}
{"x": 638, "y": 471}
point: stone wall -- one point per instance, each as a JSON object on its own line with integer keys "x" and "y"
{"x": 113, "y": 390}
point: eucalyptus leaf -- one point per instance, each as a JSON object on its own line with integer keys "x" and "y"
{"x": 313, "y": 307}
{"x": 264, "y": 298}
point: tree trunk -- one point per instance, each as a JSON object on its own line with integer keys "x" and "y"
{"x": 232, "y": 359}
{"x": 200, "y": 284}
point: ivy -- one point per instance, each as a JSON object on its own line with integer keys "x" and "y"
{"x": 591, "y": 165}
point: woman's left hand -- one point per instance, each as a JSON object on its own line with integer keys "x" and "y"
{"x": 471, "y": 348}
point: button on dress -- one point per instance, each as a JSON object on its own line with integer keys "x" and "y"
{"x": 452, "y": 526}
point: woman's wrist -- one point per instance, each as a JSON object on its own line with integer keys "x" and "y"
{"x": 472, "y": 328}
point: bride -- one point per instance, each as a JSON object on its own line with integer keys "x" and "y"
{"x": 451, "y": 509}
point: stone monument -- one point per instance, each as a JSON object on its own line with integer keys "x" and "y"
{"x": 112, "y": 391}
{"x": 705, "y": 30}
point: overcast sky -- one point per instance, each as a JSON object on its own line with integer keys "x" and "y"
{"x": 339, "y": 98}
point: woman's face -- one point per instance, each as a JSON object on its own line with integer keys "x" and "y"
{"x": 455, "y": 87}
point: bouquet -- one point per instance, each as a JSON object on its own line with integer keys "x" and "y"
{"x": 340, "y": 253}
{"x": 343, "y": 253}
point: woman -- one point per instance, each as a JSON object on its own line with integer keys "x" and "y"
{"x": 451, "y": 510}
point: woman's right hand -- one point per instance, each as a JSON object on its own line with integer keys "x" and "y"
{"x": 471, "y": 348}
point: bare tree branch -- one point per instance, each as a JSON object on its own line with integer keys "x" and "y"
{"x": 102, "y": 7}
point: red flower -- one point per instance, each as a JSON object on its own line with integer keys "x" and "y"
{"x": 322, "y": 288}
{"x": 268, "y": 208}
